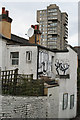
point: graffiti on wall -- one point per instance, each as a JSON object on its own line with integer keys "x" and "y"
{"x": 43, "y": 62}
{"x": 61, "y": 66}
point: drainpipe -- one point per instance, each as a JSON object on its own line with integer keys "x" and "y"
{"x": 37, "y": 60}
{"x": 35, "y": 38}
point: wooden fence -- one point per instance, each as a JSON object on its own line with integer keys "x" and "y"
{"x": 18, "y": 84}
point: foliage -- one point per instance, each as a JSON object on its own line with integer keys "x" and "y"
{"x": 24, "y": 88}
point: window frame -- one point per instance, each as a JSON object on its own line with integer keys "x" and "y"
{"x": 14, "y": 58}
{"x": 71, "y": 101}
{"x": 27, "y": 56}
{"x": 52, "y": 60}
{"x": 65, "y": 105}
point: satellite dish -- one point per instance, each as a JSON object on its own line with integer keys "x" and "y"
{"x": 30, "y": 32}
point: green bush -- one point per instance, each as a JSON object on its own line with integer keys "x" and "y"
{"x": 24, "y": 88}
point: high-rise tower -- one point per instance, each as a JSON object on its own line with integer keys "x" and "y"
{"x": 53, "y": 25}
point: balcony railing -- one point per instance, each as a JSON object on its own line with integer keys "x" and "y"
{"x": 52, "y": 18}
{"x": 51, "y": 32}
{"x": 52, "y": 25}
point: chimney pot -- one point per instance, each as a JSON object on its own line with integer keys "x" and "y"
{"x": 3, "y": 10}
{"x": 33, "y": 26}
{"x": 7, "y": 13}
{"x": 36, "y": 27}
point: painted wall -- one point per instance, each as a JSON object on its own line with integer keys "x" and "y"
{"x": 45, "y": 57}
{"x": 24, "y": 66}
{"x": 0, "y": 52}
{"x": 45, "y": 63}
{"x": 3, "y": 54}
{"x": 68, "y": 85}
{"x": 53, "y": 107}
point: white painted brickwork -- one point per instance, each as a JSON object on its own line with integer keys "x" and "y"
{"x": 28, "y": 107}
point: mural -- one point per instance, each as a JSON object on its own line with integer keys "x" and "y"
{"x": 47, "y": 65}
{"x": 44, "y": 67}
{"x": 43, "y": 62}
{"x": 62, "y": 66}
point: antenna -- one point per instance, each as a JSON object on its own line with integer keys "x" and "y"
{"x": 30, "y": 32}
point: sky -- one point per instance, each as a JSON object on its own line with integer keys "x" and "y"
{"x": 23, "y": 13}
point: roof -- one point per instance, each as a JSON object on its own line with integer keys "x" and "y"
{"x": 77, "y": 48}
{"x": 50, "y": 84}
{"x": 72, "y": 48}
{"x": 24, "y": 42}
{"x": 42, "y": 47}
{"x": 15, "y": 39}
{"x": 19, "y": 39}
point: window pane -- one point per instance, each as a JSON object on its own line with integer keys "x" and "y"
{"x": 14, "y": 58}
{"x": 15, "y": 54}
{"x": 71, "y": 101}
{"x": 28, "y": 56}
{"x": 15, "y": 62}
{"x": 65, "y": 100}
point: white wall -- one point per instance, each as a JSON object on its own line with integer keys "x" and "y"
{"x": 53, "y": 102}
{"x": 0, "y": 52}
{"x": 68, "y": 85}
{"x": 52, "y": 54}
{"x": 46, "y": 57}
{"x": 24, "y": 67}
{"x": 73, "y": 78}
{"x": 3, "y": 54}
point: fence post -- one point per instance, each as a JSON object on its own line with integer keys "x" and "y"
{"x": 15, "y": 81}
{"x": 31, "y": 76}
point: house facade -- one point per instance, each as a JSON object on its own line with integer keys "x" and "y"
{"x": 41, "y": 62}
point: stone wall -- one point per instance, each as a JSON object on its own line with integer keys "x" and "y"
{"x": 24, "y": 107}
{"x": 29, "y": 107}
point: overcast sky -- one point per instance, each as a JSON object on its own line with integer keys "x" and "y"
{"x": 23, "y": 14}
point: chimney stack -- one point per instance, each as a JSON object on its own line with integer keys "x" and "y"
{"x": 37, "y": 35}
{"x": 7, "y": 13}
{"x": 5, "y": 23}
{"x": 3, "y": 10}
